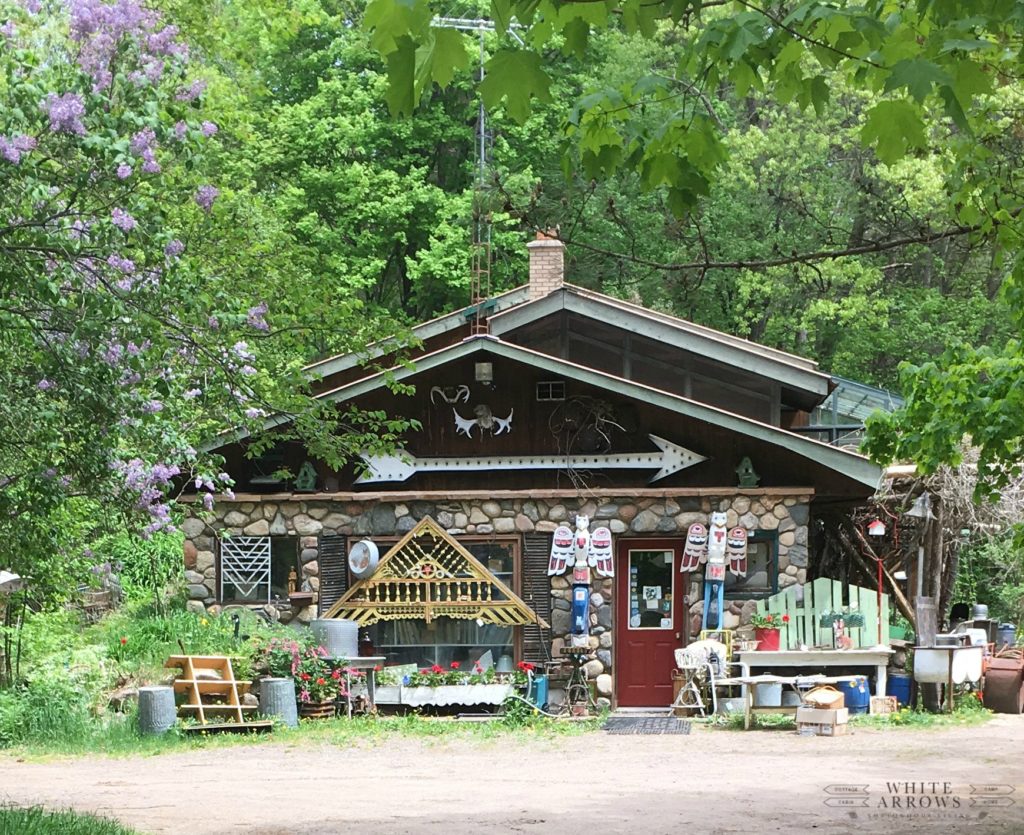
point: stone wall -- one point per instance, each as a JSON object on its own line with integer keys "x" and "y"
{"x": 651, "y": 517}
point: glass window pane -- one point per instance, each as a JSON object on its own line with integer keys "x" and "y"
{"x": 651, "y": 590}
{"x": 761, "y": 569}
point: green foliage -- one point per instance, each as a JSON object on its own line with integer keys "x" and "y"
{"x": 145, "y": 567}
{"x": 992, "y": 572}
{"x": 36, "y": 820}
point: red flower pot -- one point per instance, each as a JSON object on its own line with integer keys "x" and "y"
{"x": 767, "y": 639}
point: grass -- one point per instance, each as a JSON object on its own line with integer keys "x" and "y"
{"x": 968, "y": 712}
{"x": 38, "y": 821}
{"x": 119, "y": 738}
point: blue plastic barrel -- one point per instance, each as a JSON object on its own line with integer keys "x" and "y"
{"x": 857, "y": 695}
{"x": 898, "y": 685}
{"x": 539, "y": 691}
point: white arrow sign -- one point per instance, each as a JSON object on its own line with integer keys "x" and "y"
{"x": 670, "y": 459}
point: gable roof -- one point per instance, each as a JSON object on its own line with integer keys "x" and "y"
{"x": 428, "y": 574}
{"x": 423, "y": 331}
{"x": 791, "y": 371}
{"x": 849, "y": 464}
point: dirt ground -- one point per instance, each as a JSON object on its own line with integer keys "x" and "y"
{"x": 709, "y": 781}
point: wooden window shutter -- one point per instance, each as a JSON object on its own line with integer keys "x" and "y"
{"x": 537, "y": 595}
{"x": 333, "y": 569}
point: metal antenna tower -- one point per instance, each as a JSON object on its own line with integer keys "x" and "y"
{"x": 480, "y": 269}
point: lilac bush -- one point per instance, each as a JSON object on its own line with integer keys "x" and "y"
{"x": 112, "y": 369}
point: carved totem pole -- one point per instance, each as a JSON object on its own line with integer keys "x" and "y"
{"x": 717, "y": 547}
{"x": 581, "y": 551}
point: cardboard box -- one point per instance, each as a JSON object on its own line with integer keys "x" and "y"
{"x": 825, "y": 697}
{"x": 811, "y": 729}
{"x": 822, "y": 716}
{"x": 812, "y": 721}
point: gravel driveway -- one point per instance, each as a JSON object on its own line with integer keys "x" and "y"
{"x": 709, "y": 781}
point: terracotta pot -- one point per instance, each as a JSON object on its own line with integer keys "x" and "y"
{"x": 767, "y": 639}
{"x": 317, "y": 710}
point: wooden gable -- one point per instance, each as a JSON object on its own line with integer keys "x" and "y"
{"x": 426, "y": 575}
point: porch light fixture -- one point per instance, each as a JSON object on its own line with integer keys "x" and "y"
{"x": 483, "y": 373}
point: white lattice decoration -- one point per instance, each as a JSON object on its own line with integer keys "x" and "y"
{"x": 245, "y": 564}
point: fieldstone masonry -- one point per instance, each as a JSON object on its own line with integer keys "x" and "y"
{"x": 626, "y": 517}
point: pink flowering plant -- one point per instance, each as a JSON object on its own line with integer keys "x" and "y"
{"x": 317, "y": 679}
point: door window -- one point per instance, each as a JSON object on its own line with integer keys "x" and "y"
{"x": 651, "y": 589}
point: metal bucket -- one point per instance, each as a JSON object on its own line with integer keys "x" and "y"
{"x": 767, "y": 695}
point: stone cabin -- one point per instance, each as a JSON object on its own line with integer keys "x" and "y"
{"x": 545, "y": 402}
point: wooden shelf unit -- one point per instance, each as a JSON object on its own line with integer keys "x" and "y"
{"x": 219, "y": 698}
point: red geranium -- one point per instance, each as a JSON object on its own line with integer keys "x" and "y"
{"x": 336, "y": 674}
{"x": 785, "y": 618}
{"x": 437, "y": 668}
{"x": 455, "y": 665}
{"x": 305, "y": 676}
{"x": 124, "y": 641}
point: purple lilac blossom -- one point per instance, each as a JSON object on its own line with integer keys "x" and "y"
{"x": 212, "y": 323}
{"x": 193, "y": 91}
{"x": 100, "y": 27}
{"x": 180, "y": 130}
{"x": 205, "y": 197}
{"x": 9, "y": 30}
{"x": 191, "y": 394}
{"x": 124, "y": 171}
{"x": 31, "y": 6}
{"x": 208, "y": 501}
{"x": 255, "y": 315}
{"x": 65, "y": 112}
{"x": 119, "y": 262}
{"x": 208, "y": 128}
{"x": 11, "y": 149}
{"x": 252, "y": 413}
{"x": 44, "y": 385}
{"x": 174, "y": 248}
{"x": 122, "y": 220}
{"x": 151, "y": 407}
{"x": 144, "y": 145}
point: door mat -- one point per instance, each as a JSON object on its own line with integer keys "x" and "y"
{"x": 646, "y": 725}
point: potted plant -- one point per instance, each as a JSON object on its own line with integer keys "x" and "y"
{"x": 318, "y": 682}
{"x": 766, "y": 629}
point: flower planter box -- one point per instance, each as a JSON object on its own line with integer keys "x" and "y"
{"x": 456, "y": 694}
{"x": 388, "y": 694}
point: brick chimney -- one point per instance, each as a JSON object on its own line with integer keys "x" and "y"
{"x": 547, "y": 264}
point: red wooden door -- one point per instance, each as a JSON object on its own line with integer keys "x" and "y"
{"x": 649, "y": 620}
